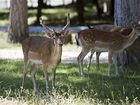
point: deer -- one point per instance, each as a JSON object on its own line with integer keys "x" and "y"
{"x": 45, "y": 51}
{"x": 105, "y": 27}
{"x": 67, "y": 36}
{"x": 99, "y": 40}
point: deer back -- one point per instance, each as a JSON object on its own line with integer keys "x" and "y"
{"x": 92, "y": 37}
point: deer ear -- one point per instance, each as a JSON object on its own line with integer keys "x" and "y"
{"x": 40, "y": 20}
{"x": 49, "y": 34}
{"x": 138, "y": 22}
{"x": 63, "y": 32}
{"x": 66, "y": 32}
{"x": 137, "y": 25}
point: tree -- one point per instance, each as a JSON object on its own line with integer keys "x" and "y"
{"x": 126, "y": 14}
{"x": 112, "y": 8}
{"x": 80, "y": 10}
{"x": 18, "y": 27}
{"x": 99, "y": 11}
{"x": 39, "y": 11}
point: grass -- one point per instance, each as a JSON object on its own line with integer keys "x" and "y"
{"x": 3, "y": 41}
{"x": 94, "y": 88}
{"x": 71, "y": 89}
{"x": 4, "y": 44}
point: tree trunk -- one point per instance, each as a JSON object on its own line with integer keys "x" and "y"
{"x": 99, "y": 11}
{"x": 80, "y": 10}
{"x": 127, "y": 14}
{"x": 39, "y": 11}
{"x": 112, "y": 8}
{"x": 18, "y": 27}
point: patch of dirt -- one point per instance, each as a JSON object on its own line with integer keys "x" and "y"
{"x": 66, "y": 56}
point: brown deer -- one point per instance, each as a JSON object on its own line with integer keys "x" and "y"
{"x": 109, "y": 28}
{"x": 98, "y": 40}
{"x": 67, "y": 36}
{"x": 46, "y": 51}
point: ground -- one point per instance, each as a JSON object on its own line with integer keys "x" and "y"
{"x": 67, "y": 56}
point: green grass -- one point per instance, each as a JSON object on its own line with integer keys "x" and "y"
{"x": 94, "y": 87}
{"x": 4, "y": 44}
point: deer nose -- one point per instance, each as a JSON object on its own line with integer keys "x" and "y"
{"x": 60, "y": 42}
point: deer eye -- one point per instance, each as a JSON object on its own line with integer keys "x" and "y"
{"x": 62, "y": 34}
{"x": 58, "y": 34}
{"x": 53, "y": 37}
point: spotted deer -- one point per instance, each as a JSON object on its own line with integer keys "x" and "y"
{"x": 98, "y": 40}
{"x": 46, "y": 51}
{"x": 109, "y": 28}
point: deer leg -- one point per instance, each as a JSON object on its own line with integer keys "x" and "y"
{"x": 97, "y": 60}
{"x": 53, "y": 77}
{"x": 116, "y": 65}
{"x": 89, "y": 62}
{"x": 46, "y": 77}
{"x": 135, "y": 58}
{"x": 80, "y": 60}
{"x": 33, "y": 72}
{"x": 24, "y": 72}
{"x": 110, "y": 63}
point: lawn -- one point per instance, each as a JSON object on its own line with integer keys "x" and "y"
{"x": 4, "y": 44}
{"x": 94, "y": 88}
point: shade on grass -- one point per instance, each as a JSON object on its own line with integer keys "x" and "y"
{"x": 95, "y": 85}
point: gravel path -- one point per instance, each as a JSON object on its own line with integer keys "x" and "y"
{"x": 66, "y": 56}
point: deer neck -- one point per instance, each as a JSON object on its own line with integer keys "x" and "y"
{"x": 57, "y": 52}
{"x": 130, "y": 38}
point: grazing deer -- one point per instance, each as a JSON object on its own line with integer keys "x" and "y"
{"x": 98, "y": 40}
{"x": 46, "y": 51}
{"x": 109, "y": 28}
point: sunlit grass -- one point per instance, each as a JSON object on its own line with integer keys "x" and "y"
{"x": 94, "y": 88}
{"x": 4, "y": 43}
{"x": 4, "y": 22}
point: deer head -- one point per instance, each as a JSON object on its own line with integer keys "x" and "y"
{"x": 53, "y": 33}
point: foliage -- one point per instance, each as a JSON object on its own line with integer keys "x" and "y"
{"x": 57, "y": 16}
{"x": 94, "y": 88}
